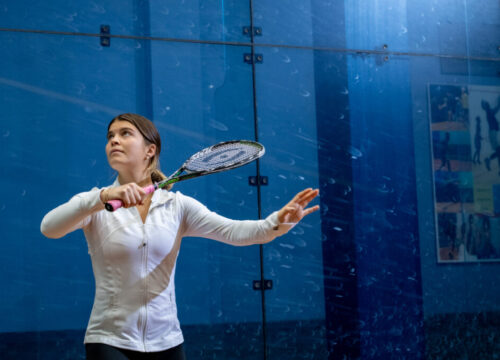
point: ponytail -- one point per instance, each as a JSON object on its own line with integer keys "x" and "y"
{"x": 156, "y": 174}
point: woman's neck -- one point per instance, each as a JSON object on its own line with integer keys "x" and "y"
{"x": 140, "y": 178}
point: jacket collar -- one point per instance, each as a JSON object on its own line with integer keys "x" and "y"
{"x": 160, "y": 196}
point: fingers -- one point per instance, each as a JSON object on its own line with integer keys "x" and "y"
{"x": 311, "y": 210}
{"x": 293, "y": 209}
{"x": 137, "y": 194}
{"x": 305, "y": 196}
{"x": 290, "y": 209}
{"x": 310, "y": 195}
{"x": 130, "y": 194}
{"x": 301, "y": 194}
{"x": 286, "y": 211}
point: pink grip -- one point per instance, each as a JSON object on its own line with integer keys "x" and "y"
{"x": 149, "y": 189}
{"x": 113, "y": 205}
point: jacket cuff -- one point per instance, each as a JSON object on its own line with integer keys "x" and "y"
{"x": 91, "y": 201}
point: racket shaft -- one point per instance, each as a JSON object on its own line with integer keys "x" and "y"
{"x": 172, "y": 180}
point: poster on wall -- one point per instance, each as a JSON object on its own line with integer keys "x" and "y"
{"x": 465, "y": 134}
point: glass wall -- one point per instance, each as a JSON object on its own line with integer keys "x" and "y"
{"x": 390, "y": 108}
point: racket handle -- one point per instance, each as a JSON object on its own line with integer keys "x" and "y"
{"x": 113, "y": 205}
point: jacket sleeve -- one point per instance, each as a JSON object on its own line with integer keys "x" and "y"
{"x": 198, "y": 221}
{"x": 75, "y": 214}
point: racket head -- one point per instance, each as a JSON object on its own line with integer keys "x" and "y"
{"x": 224, "y": 156}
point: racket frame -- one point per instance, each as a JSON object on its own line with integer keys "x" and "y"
{"x": 193, "y": 174}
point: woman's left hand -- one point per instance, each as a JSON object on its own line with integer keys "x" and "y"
{"x": 295, "y": 210}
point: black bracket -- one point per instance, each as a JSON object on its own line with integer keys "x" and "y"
{"x": 257, "y": 285}
{"x": 382, "y": 58}
{"x": 259, "y": 58}
{"x": 257, "y": 31}
{"x": 262, "y": 180}
{"x": 105, "y": 39}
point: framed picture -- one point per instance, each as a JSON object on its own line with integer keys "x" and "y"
{"x": 464, "y": 123}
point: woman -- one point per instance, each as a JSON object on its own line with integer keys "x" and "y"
{"x": 134, "y": 249}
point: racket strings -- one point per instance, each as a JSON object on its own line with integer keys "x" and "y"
{"x": 223, "y": 156}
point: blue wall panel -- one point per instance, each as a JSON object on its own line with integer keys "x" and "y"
{"x": 56, "y": 109}
{"x": 341, "y": 103}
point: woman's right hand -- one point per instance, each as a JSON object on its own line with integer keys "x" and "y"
{"x": 130, "y": 194}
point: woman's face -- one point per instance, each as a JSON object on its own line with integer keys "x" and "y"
{"x": 126, "y": 148}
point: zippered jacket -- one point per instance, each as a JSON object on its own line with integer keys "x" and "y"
{"x": 134, "y": 262}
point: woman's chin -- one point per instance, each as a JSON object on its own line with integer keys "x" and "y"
{"x": 117, "y": 166}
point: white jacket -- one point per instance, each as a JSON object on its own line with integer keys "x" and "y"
{"x": 134, "y": 263}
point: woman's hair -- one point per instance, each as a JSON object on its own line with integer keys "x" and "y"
{"x": 151, "y": 136}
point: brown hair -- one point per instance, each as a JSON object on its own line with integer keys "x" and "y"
{"x": 151, "y": 136}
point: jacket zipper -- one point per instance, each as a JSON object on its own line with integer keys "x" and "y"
{"x": 145, "y": 277}
{"x": 144, "y": 318}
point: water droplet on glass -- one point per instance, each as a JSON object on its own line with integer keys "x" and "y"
{"x": 354, "y": 152}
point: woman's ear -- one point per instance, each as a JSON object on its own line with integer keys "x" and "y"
{"x": 151, "y": 150}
